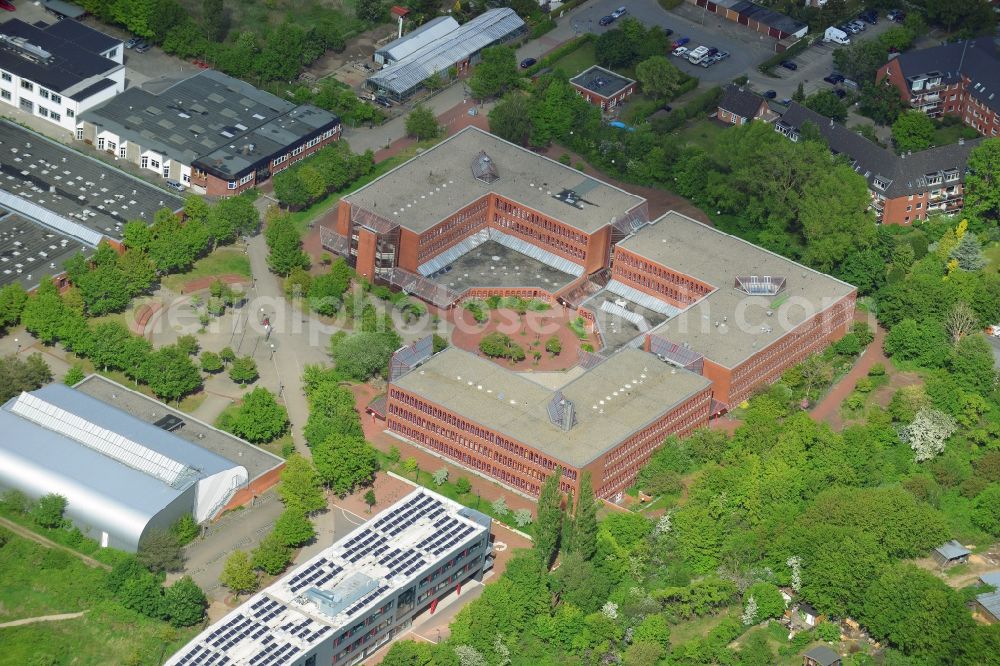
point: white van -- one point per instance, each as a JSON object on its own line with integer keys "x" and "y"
{"x": 698, "y": 54}
{"x": 836, "y": 35}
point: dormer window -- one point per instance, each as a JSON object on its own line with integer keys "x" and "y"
{"x": 951, "y": 175}
{"x": 880, "y": 183}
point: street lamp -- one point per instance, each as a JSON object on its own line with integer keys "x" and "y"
{"x": 18, "y": 345}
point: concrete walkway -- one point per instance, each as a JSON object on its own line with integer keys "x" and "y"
{"x": 42, "y": 618}
{"x": 49, "y": 543}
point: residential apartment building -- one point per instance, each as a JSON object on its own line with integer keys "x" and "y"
{"x": 58, "y": 71}
{"x": 343, "y": 604}
{"x": 211, "y": 132}
{"x": 602, "y": 87}
{"x": 959, "y": 79}
{"x": 904, "y": 188}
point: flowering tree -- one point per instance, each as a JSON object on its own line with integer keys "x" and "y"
{"x": 927, "y": 433}
{"x": 750, "y": 611}
{"x": 522, "y": 517}
{"x": 610, "y": 610}
{"x": 440, "y": 476}
{"x": 500, "y": 507}
{"x": 795, "y": 563}
{"x": 470, "y": 656}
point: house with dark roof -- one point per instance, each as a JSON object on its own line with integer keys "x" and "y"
{"x": 987, "y": 606}
{"x": 216, "y": 134}
{"x": 58, "y": 71}
{"x": 602, "y": 87}
{"x": 960, "y": 79}
{"x": 951, "y": 553}
{"x": 821, "y": 655}
{"x": 904, "y": 188}
{"x": 739, "y": 106}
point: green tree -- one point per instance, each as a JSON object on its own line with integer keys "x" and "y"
{"x": 881, "y": 102}
{"x": 463, "y": 485}
{"x": 160, "y": 550}
{"x": 48, "y": 511}
{"x": 185, "y": 529}
{"x": 12, "y": 300}
{"x": 659, "y": 77}
{"x": 293, "y": 528}
{"x": 370, "y": 11}
{"x": 271, "y": 555}
{"x": 913, "y": 130}
{"x": 584, "y": 537}
{"x": 982, "y": 182}
{"x": 370, "y": 499}
{"x": 971, "y": 365}
{"x": 137, "y": 270}
{"x": 109, "y": 345}
{"x": 409, "y": 653}
{"x": 285, "y": 246}
{"x": 170, "y": 373}
{"x": 259, "y": 419}
{"x": 363, "y": 355}
{"x": 422, "y": 124}
{"x": 968, "y": 253}
{"x": 986, "y": 510}
{"x": 243, "y": 370}
{"x": 548, "y": 528}
{"x": 510, "y": 118}
{"x": 495, "y": 73}
{"x": 770, "y": 603}
{"x": 860, "y": 61}
{"x": 826, "y": 103}
{"x": 210, "y": 362}
{"x": 44, "y": 312}
{"x": 184, "y": 603}
{"x": 756, "y": 651}
{"x": 345, "y": 462}
{"x": 300, "y": 486}
{"x": 616, "y": 49}
{"x": 238, "y": 574}
{"x": 18, "y": 375}
{"x": 227, "y": 355}
{"x": 143, "y": 593}
{"x": 800, "y": 93}
{"x": 214, "y": 20}
{"x": 917, "y": 613}
{"x": 74, "y": 375}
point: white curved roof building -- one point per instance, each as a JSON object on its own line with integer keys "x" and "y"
{"x": 120, "y": 475}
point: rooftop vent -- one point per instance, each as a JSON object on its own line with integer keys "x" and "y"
{"x": 484, "y": 169}
{"x": 26, "y": 49}
{"x": 760, "y": 285}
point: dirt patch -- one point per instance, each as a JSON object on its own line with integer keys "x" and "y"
{"x": 883, "y": 395}
{"x": 206, "y": 282}
{"x": 530, "y": 330}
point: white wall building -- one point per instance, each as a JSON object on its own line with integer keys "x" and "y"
{"x": 58, "y": 71}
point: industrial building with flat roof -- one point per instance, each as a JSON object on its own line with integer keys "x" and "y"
{"x": 58, "y": 202}
{"x": 415, "y": 40}
{"x": 425, "y": 214}
{"x": 439, "y": 51}
{"x": 346, "y": 602}
{"x": 56, "y": 72}
{"x": 121, "y": 475}
{"x": 211, "y": 132}
{"x": 608, "y": 421}
{"x": 716, "y": 317}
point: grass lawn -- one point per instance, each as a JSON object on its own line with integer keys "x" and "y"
{"x": 192, "y": 402}
{"x": 577, "y": 61}
{"x": 992, "y": 254}
{"x": 944, "y": 136}
{"x": 223, "y": 261}
{"x": 700, "y": 626}
{"x": 45, "y": 581}
{"x": 703, "y": 133}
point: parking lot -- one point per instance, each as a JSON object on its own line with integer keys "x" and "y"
{"x": 747, "y": 48}
{"x": 814, "y": 63}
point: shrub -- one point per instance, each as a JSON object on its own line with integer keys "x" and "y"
{"x": 553, "y": 345}
{"x": 864, "y": 385}
{"x": 498, "y": 345}
{"x": 477, "y": 310}
{"x": 578, "y": 326}
{"x": 877, "y": 370}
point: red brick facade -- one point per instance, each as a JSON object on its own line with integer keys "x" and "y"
{"x": 605, "y": 103}
{"x": 519, "y": 465}
{"x": 944, "y": 198}
{"x": 727, "y": 116}
{"x": 219, "y": 187}
{"x": 943, "y": 99}
{"x": 675, "y": 288}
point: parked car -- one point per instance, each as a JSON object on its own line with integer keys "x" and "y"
{"x": 681, "y": 42}
{"x": 708, "y": 61}
{"x": 174, "y": 185}
{"x": 607, "y": 20}
{"x": 620, "y": 12}
{"x": 528, "y": 62}
{"x": 8, "y": 6}
{"x": 132, "y": 42}
{"x": 143, "y": 46}
{"x": 788, "y": 64}
{"x": 870, "y": 16}
{"x": 770, "y": 94}
{"x": 721, "y": 55}
{"x": 680, "y": 51}
{"x": 712, "y": 50}
{"x": 668, "y": 32}
{"x": 840, "y": 93}
{"x": 785, "y": 102}
{"x": 860, "y": 25}
{"x": 383, "y": 101}
{"x": 834, "y": 78}
{"x": 896, "y": 15}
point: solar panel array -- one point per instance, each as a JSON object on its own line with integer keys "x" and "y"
{"x": 406, "y": 358}
{"x": 100, "y": 439}
{"x": 413, "y": 510}
{"x": 316, "y": 574}
{"x": 448, "y": 533}
{"x": 676, "y": 354}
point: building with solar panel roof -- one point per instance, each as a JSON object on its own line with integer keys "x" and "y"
{"x": 125, "y": 464}
{"x": 352, "y": 598}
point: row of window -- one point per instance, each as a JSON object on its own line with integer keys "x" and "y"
{"x": 540, "y": 221}
{"x": 687, "y": 285}
{"x": 233, "y": 184}
{"x": 677, "y": 295}
{"x": 533, "y": 235}
{"x": 432, "y": 246}
{"x": 642, "y": 443}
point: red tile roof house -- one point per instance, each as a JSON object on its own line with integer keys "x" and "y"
{"x": 959, "y": 79}
{"x": 602, "y": 87}
{"x": 739, "y": 106}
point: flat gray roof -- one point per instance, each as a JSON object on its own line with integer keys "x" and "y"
{"x": 716, "y": 258}
{"x": 601, "y": 81}
{"x": 77, "y": 187}
{"x": 613, "y": 400}
{"x": 438, "y": 182}
{"x": 30, "y": 251}
{"x": 210, "y": 120}
{"x": 416, "y": 39}
{"x": 257, "y": 461}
